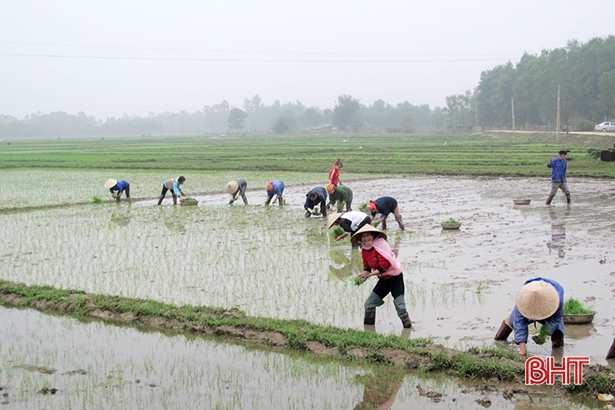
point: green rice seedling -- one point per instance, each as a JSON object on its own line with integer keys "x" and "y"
{"x": 574, "y": 307}
{"x": 451, "y": 221}
{"x": 337, "y": 231}
{"x": 97, "y": 200}
{"x": 541, "y": 337}
{"x": 358, "y": 281}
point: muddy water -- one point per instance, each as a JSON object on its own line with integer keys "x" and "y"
{"x": 58, "y": 362}
{"x": 274, "y": 262}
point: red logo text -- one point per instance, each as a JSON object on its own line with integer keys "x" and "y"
{"x": 539, "y": 371}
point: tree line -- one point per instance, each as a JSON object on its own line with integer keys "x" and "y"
{"x": 583, "y": 75}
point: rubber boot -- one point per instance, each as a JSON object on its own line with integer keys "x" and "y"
{"x": 611, "y": 353}
{"x": 568, "y": 198}
{"x": 503, "y": 332}
{"x": 400, "y": 223}
{"x": 557, "y": 339}
{"x": 370, "y": 316}
{"x": 384, "y": 224}
{"x": 549, "y": 199}
{"x": 405, "y": 320}
{"x": 280, "y": 201}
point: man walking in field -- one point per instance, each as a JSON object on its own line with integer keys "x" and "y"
{"x": 558, "y": 176}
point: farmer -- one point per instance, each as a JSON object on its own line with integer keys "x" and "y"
{"x": 340, "y": 194}
{"x": 117, "y": 188}
{"x": 539, "y": 300}
{"x": 380, "y": 261}
{"x": 350, "y": 222}
{"x": 611, "y": 353}
{"x": 385, "y": 205}
{"x": 237, "y": 188}
{"x": 316, "y": 196}
{"x": 334, "y": 173}
{"x": 175, "y": 186}
{"x": 558, "y": 176}
{"x": 275, "y": 187}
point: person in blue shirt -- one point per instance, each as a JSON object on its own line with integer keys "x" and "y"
{"x": 316, "y": 196}
{"x": 558, "y": 176}
{"x": 175, "y": 186}
{"x": 384, "y": 206}
{"x": 117, "y": 188}
{"x": 273, "y": 188}
{"x": 539, "y": 300}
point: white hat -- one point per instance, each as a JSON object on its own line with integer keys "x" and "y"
{"x": 332, "y": 218}
{"x": 356, "y": 238}
{"x": 537, "y": 300}
{"x": 110, "y": 183}
{"x": 232, "y": 187}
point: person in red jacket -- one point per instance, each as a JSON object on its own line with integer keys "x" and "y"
{"x": 334, "y": 173}
{"x": 380, "y": 261}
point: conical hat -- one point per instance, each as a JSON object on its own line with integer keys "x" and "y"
{"x": 110, "y": 183}
{"x": 356, "y": 238}
{"x": 332, "y": 218}
{"x": 537, "y": 300}
{"x": 231, "y": 187}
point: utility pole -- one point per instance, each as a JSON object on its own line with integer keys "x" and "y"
{"x": 512, "y": 106}
{"x": 558, "y": 117}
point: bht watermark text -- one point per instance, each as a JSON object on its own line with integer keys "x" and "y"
{"x": 539, "y": 371}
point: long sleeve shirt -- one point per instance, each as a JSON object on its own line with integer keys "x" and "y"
{"x": 555, "y": 322}
{"x": 278, "y": 188}
{"x": 119, "y": 187}
{"x": 321, "y": 198}
{"x": 352, "y": 221}
{"x": 386, "y": 205}
{"x": 334, "y": 175}
{"x": 341, "y": 194}
{"x": 558, "y": 169}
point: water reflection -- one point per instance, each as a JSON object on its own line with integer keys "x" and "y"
{"x": 380, "y": 389}
{"x": 343, "y": 266}
{"x": 558, "y": 232}
{"x": 119, "y": 219}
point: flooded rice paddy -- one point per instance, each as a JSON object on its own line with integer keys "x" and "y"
{"x": 273, "y": 262}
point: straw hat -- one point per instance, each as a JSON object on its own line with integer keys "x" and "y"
{"x": 356, "y": 238}
{"x": 537, "y": 300}
{"x": 110, "y": 183}
{"x": 231, "y": 187}
{"x": 332, "y": 218}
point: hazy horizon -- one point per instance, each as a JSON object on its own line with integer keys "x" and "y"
{"x": 115, "y": 58}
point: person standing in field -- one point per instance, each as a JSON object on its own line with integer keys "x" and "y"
{"x": 539, "y": 300}
{"x": 350, "y": 222}
{"x": 334, "y": 173}
{"x": 340, "y": 194}
{"x": 175, "y": 186}
{"x": 117, "y": 188}
{"x": 273, "y": 188}
{"x": 237, "y": 188}
{"x": 316, "y": 196}
{"x": 558, "y": 176}
{"x": 384, "y": 206}
{"x": 380, "y": 261}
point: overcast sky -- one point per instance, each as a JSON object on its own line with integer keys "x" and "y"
{"x": 108, "y": 58}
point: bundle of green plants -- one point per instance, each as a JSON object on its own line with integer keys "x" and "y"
{"x": 358, "y": 281}
{"x": 97, "y": 200}
{"x": 450, "y": 221}
{"x": 337, "y": 231}
{"x": 574, "y": 307}
{"x": 190, "y": 200}
{"x": 363, "y": 207}
{"x": 541, "y": 337}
